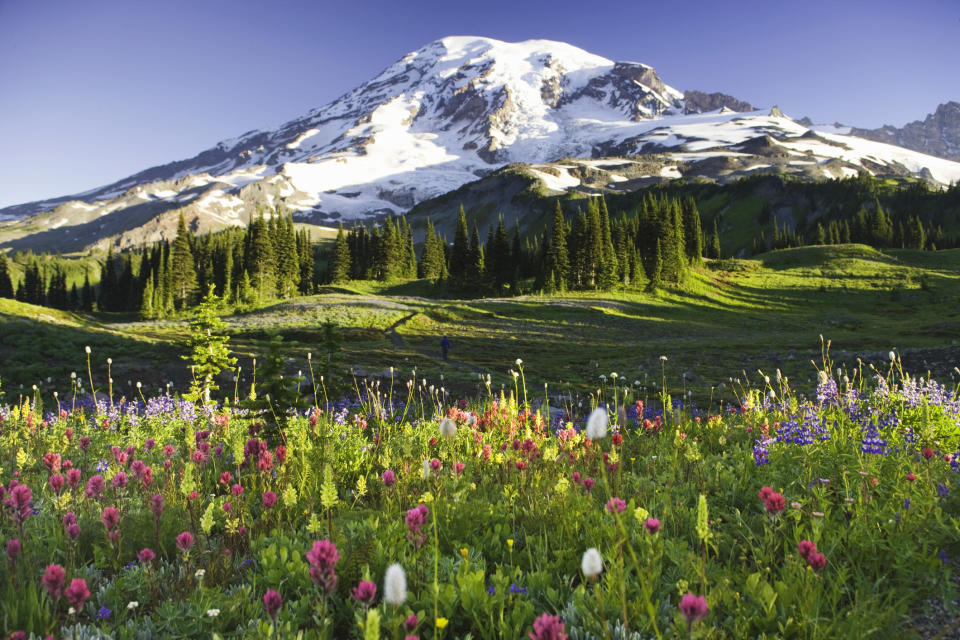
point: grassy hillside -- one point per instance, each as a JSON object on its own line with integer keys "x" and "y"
{"x": 732, "y": 315}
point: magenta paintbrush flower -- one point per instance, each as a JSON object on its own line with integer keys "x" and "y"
{"x": 53, "y": 579}
{"x": 548, "y": 627}
{"x": 185, "y": 541}
{"x": 272, "y": 602}
{"x": 693, "y": 607}
{"x": 365, "y": 592}
{"x": 77, "y": 593}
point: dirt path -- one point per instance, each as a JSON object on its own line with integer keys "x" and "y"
{"x": 398, "y": 342}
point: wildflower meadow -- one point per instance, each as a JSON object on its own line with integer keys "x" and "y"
{"x": 403, "y": 511}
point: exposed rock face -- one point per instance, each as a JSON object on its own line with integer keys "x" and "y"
{"x": 700, "y": 102}
{"x": 937, "y": 135}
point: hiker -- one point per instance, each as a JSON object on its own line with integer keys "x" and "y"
{"x": 445, "y": 346}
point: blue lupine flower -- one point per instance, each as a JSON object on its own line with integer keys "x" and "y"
{"x": 103, "y": 613}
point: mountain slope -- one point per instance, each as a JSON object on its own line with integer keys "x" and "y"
{"x": 938, "y": 134}
{"x": 444, "y": 116}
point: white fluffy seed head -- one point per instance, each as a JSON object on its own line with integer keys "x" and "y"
{"x": 893, "y": 356}
{"x": 597, "y": 424}
{"x": 448, "y": 428}
{"x": 87, "y": 349}
{"x": 395, "y": 585}
{"x": 592, "y": 563}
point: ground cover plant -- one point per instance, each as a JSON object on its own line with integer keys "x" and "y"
{"x": 410, "y": 511}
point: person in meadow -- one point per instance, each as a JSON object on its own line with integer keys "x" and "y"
{"x": 445, "y": 346}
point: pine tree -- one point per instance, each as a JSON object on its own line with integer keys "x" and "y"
{"x": 477, "y": 273}
{"x": 340, "y": 262}
{"x": 408, "y": 255}
{"x": 656, "y": 275}
{"x": 431, "y": 256}
{"x": 107, "y": 298}
{"x": 208, "y": 354}
{"x": 557, "y": 259}
{"x": 6, "y": 284}
{"x": 86, "y": 296}
{"x": 692, "y": 232}
{"x": 74, "y": 298}
{"x": 715, "y": 242}
{"x": 609, "y": 264}
{"x": 460, "y": 259}
{"x": 183, "y": 272}
{"x": 821, "y": 236}
{"x": 288, "y": 260}
{"x": 146, "y": 305}
{"x": 259, "y": 257}
{"x": 305, "y": 250}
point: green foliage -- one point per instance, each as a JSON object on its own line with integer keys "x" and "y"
{"x": 208, "y": 354}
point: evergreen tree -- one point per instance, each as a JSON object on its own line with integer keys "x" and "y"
{"x": 288, "y": 260}
{"x": 915, "y": 235}
{"x": 86, "y": 296}
{"x": 74, "y": 298}
{"x": 692, "y": 231}
{"x": 107, "y": 298}
{"x": 6, "y": 284}
{"x": 821, "y": 236}
{"x": 608, "y": 271}
{"x": 305, "y": 250}
{"x": 146, "y": 304}
{"x": 431, "y": 256}
{"x": 408, "y": 256}
{"x": 259, "y": 257}
{"x": 477, "y": 272}
{"x": 460, "y": 258}
{"x": 340, "y": 262}
{"x": 715, "y": 242}
{"x": 183, "y": 272}
{"x": 557, "y": 259}
{"x": 208, "y": 354}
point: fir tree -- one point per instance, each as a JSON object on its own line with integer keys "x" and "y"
{"x": 183, "y": 272}
{"x": 288, "y": 260}
{"x": 107, "y": 298}
{"x": 477, "y": 274}
{"x": 715, "y": 241}
{"x": 431, "y": 256}
{"x": 146, "y": 305}
{"x": 208, "y": 354}
{"x": 557, "y": 259}
{"x": 692, "y": 231}
{"x": 259, "y": 257}
{"x": 607, "y": 275}
{"x": 340, "y": 262}
{"x": 86, "y": 295}
{"x": 460, "y": 259}
{"x": 6, "y": 284}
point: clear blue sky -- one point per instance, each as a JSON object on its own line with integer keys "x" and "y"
{"x": 94, "y": 90}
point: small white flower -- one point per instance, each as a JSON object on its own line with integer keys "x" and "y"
{"x": 636, "y": 383}
{"x": 514, "y": 373}
{"x": 471, "y": 420}
{"x": 133, "y": 604}
{"x": 766, "y": 379}
{"x": 663, "y": 358}
{"x": 213, "y": 613}
{"x": 71, "y": 611}
{"x": 310, "y": 357}
{"x": 519, "y": 362}
{"x": 614, "y": 375}
{"x": 597, "y": 424}
{"x": 73, "y": 375}
{"x": 199, "y": 574}
{"x": 87, "y": 349}
{"x": 395, "y": 585}
{"x": 139, "y": 385}
{"x": 448, "y": 428}
{"x": 772, "y": 394}
{"x": 893, "y": 356}
{"x": 592, "y": 563}
{"x": 603, "y": 377}
{"x": 109, "y": 360}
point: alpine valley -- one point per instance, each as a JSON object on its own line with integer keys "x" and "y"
{"x": 506, "y": 117}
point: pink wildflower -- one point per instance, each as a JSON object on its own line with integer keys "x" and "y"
{"x": 146, "y": 556}
{"x": 185, "y": 541}
{"x": 110, "y": 518}
{"x": 77, "y": 593}
{"x": 389, "y": 478}
{"x": 652, "y": 525}
{"x": 272, "y": 602}
{"x": 548, "y": 627}
{"x": 365, "y": 592}
{"x": 616, "y": 504}
{"x": 693, "y": 607}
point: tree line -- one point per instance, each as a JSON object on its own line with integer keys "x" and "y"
{"x": 267, "y": 259}
{"x": 650, "y": 245}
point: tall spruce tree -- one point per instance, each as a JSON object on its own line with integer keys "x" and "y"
{"x": 460, "y": 259}
{"x": 107, "y": 298}
{"x": 557, "y": 259}
{"x": 259, "y": 258}
{"x": 288, "y": 260}
{"x": 183, "y": 272}
{"x": 692, "y": 232}
{"x": 340, "y": 261}
{"x": 6, "y": 284}
{"x": 431, "y": 256}
{"x": 607, "y": 275}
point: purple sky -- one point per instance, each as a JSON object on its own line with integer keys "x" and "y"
{"x": 93, "y": 91}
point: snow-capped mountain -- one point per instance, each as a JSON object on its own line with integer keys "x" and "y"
{"x": 448, "y": 114}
